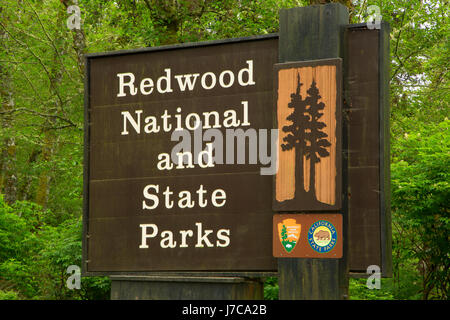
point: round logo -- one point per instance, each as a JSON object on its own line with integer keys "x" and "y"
{"x": 322, "y": 236}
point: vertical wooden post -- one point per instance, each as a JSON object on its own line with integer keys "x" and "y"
{"x": 366, "y": 92}
{"x": 312, "y": 33}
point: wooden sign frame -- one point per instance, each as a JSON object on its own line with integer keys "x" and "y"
{"x": 381, "y": 215}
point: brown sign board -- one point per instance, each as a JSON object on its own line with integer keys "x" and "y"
{"x": 307, "y": 236}
{"x": 145, "y": 213}
{"x": 118, "y": 167}
{"x": 367, "y": 111}
{"x": 308, "y": 99}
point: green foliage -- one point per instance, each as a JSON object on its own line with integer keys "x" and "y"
{"x": 9, "y": 295}
{"x": 35, "y": 254}
{"x": 359, "y": 291}
{"x": 14, "y": 233}
{"x": 406, "y": 282}
{"x": 271, "y": 288}
{"x": 420, "y": 200}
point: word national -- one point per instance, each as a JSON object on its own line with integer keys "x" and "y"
{"x": 168, "y": 122}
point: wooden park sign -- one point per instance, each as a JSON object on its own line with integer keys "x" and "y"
{"x": 145, "y": 108}
{"x": 227, "y": 157}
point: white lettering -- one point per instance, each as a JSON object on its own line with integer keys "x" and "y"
{"x": 135, "y": 124}
{"x": 149, "y": 196}
{"x": 145, "y": 235}
{"x": 129, "y": 84}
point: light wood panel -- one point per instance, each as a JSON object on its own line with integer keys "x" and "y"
{"x": 325, "y": 171}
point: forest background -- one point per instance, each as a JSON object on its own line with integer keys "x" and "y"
{"x": 41, "y": 134}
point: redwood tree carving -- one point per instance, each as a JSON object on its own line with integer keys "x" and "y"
{"x": 306, "y": 136}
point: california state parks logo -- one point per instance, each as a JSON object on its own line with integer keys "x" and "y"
{"x": 289, "y": 234}
{"x": 322, "y": 236}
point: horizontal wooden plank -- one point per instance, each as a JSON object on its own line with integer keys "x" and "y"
{"x": 124, "y": 198}
{"x": 107, "y": 123}
{"x": 114, "y": 243}
{"x": 104, "y": 83}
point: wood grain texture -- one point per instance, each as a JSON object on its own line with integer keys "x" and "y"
{"x": 118, "y": 167}
{"x": 325, "y": 170}
{"x": 314, "y": 32}
{"x": 307, "y": 98}
{"x": 185, "y": 288}
{"x": 366, "y": 89}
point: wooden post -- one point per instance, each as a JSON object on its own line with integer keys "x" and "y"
{"x": 366, "y": 92}
{"x": 312, "y": 33}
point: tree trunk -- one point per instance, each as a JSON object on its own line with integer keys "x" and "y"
{"x": 8, "y": 177}
{"x": 43, "y": 189}
{"x": 50, "y": 138}
{"x": 25, "y": 186}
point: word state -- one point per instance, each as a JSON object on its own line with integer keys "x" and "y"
{"x": 185, "y": 198}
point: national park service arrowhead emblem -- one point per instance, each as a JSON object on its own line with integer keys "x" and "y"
{"x": 289, "y": 233}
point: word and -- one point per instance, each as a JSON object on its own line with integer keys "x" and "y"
{"x": 249, "y": 144}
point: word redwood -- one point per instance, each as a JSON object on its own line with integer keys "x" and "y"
{"x": 208, "y": 81}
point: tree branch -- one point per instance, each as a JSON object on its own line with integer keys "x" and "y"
{"x": 51, "y": 42}
{"x": 38, "y": 59}
{"x": 69, "y": 122}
